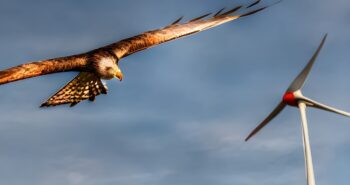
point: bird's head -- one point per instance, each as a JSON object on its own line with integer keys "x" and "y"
{"x": 107, "y": 68}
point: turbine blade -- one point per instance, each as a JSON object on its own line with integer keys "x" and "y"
{"x": 272, "y": 115}
{"x": 307, "y": 149}
{"x": 300, "y": 79}
{"x": 321, "y": 106}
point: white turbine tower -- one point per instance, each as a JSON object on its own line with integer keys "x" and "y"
{"x": 294, "y": 97}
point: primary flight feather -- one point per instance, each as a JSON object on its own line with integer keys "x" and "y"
{"x": 102, "y": 63}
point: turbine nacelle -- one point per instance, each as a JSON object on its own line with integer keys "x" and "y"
{"x": 292, "y": 98}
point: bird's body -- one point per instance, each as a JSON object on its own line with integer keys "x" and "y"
{"x": 102, "y": 63}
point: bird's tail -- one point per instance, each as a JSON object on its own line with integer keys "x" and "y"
{"x": 34, "y": 69}
{"x": 84, "y": 86}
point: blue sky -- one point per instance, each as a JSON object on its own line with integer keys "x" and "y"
{"x": 182, "y": 112}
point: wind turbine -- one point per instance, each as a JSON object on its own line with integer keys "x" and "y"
{"x": 294, "y": 97}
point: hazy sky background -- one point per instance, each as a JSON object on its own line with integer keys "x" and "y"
{"x": 184, "y": 108}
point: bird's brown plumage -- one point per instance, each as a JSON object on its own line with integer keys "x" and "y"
{"x": 174, "y": 31}
{"x": 88, "y": 84}
{"x": 33, "y": 69}
{"x": 84, "y": 86}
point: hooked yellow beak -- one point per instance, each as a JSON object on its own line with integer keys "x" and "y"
{"x": 119, "y": 75}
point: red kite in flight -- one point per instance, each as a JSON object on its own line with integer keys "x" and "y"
{"x": 102, "y": 63}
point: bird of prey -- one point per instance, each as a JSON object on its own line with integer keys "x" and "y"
{"x": 102, "y": 63}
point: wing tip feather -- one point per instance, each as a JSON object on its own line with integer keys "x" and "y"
{"x": 219, "y": 12}
{"x": 177, "y": 20}
{"x": 253, "y": 12}
{"x": 200, "y": 17}
{"x": 235, "y": 9}
{"x": 254, "y": 4}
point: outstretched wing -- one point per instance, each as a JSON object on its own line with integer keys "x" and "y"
{"x": 175, "y": 30}
{"x": 84, "y": 86}
{"x": 33, "y": 69}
